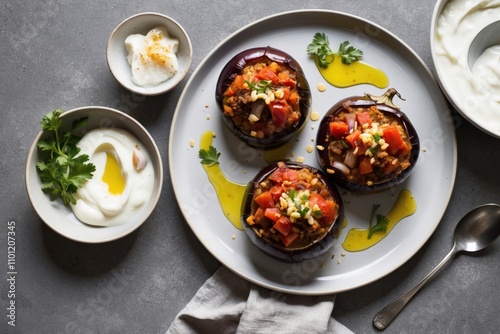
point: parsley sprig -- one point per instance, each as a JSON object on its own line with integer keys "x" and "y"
{"x": 209, "y": 157}
{"x": 320, "y": 47}
{"x": 380, "y": 225}
{"x": 64, "y": 171}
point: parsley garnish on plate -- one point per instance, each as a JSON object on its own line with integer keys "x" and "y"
{"x": 320, "y": 47}
{"x": 380, "y": 225}
{"x": 209, "y": 157}
{"x": 64, "y": 171}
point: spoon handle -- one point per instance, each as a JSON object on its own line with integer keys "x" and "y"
{"x": 385, "y": 316}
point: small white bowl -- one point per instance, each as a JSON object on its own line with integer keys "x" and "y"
{"x": 61, "y": 218}
{"x": 469, "y": 91}
{"x": 116, "y": 53}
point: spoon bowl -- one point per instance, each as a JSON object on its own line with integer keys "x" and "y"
{"x": 475, "y": 231}
{"x": 487, "y": 37}
{"x": 478, "y": 228}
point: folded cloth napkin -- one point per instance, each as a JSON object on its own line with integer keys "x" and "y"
{"x": 228, "y": 304}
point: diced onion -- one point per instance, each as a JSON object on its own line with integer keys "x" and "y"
{"x": 350, "y": 159}
{"x": 351, "y": 119}
{"x": 342, "y": 167}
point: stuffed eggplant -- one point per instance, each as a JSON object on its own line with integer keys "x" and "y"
{"x": 366, "y": 144}
{"x": 291, "y": 212}
{"x": 264, "y": 97}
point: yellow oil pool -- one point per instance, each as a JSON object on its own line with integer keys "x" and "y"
{"x": 229, "y": 194}
{"x": 112, "y": 175}
{"x": 341, "y": 75}
{"x": 357, "y": 239}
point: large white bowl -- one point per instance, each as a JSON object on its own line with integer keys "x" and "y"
{"x": 61, "y": 218}
{"x": 142, "y": 23}
{"x": 474, "y": 104}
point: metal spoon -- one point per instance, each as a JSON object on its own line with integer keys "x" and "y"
{"x": 475, "y": 231}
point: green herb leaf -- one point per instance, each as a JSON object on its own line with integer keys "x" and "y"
{"x": 261, "y": 86}
{"x": 320, "y": 48}
{"x": 209, "y": 157}
{"x": 292, "y": 193}
{"x": 303, "y": 211}
{"x": 380, "y": 225}
{"x": 349, "y": 54}
{"x": 63, "y": 172}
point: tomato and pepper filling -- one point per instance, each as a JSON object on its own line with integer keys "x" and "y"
{"x": 263, "y": 99}
{"x": 367, "y": 145}
{"x": 292, "y": 208}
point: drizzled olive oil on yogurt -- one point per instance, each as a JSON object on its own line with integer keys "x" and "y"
{"x": 229, "y": 193}
{"x": 357, "y": 239}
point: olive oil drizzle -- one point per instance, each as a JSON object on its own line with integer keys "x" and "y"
{"x": 357, "y": 239}
{"x": 229, "y": 194}
{"x": 341, "y": 75}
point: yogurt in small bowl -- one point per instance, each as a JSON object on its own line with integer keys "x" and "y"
{"x": 149, "y": 53}
{"x": 465, "y": 48}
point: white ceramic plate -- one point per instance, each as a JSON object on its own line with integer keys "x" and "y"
{"x": 431, "y": 181}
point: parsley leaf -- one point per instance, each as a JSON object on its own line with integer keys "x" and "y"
{"x": 380, "y": 225}
{"x": 64, "y": 171}
{"x": 209, "y": 157}
{"x": 320, "y": 48}
{"x": 349, "y": 53}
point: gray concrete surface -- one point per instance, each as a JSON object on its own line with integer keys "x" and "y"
{"x": 53, "y": 56}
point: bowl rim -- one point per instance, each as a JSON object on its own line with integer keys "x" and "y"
{"x": 165, "y": 86}
{"x": 153, "y": 200}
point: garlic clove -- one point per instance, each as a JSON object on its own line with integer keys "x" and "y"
{"x": 139, "y": 160}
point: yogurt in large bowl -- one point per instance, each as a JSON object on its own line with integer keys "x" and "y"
{"x": 465, "y": 45}
{"x": 125, "y": 185}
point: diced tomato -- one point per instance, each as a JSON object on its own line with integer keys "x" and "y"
{"x": 276, "y": 191}
{"x": 365, "y": 166}
{"x": 279, "y": 111}
{"x": 265, "y": 200}
{"x": 328, "y": 208}
{"x": 235, "y": 86}
{"x": 272, "y": 213}
{"x": 283, "y": 225}
{"x": 317, "y": 199}
{"x": 364, "y": 118}
{"x": 285, "y": 79}
{"x": 338, "y": 129}
{"x": 284, "y": 174}
{"x": 353, "y": 138}
{"x": 259, "y": 215}
{"x": 389, "y": 167}
{"x": 288, "y": 239}
{"x": 392, "y": 137}
{"x": 286, "y": 94}
{"x": 404, "y": 149}
{"x": 293, "y": 99}
{"x": 267, "y": 74}
{"x": 331, "y": 211}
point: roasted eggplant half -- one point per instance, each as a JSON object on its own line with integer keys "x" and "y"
{"x": 263, "y": 96}
{"x": 366, "y": 144}
{"x": 291, "y": 212}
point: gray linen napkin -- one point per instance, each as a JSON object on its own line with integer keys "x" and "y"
{"x": 226, "y": 303}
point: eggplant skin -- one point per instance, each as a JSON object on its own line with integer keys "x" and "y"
{"x": 338, "y": 177}
{"x": 316, "y": 249}
{"x": 236, "y": 65}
